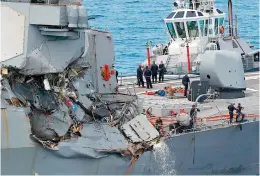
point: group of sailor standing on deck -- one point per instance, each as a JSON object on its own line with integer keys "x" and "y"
{"x": 149, "y": 72}
{"x": 239, "y": 108}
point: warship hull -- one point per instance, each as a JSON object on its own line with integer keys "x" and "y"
{"x": 227, "y": 150}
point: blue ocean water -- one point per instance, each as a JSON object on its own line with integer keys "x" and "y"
{"x": 134, "y": 22}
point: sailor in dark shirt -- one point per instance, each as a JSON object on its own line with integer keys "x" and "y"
{"x": 116, "y": 73}
{"x": 147, "y": 75}
{"x": 239, "y": 112}
{"x": 231, "y": 109}
{"x": 139, "y": 75}
{"x": 161, "y": 71}
{"x": 193, "y": 115}
{"x": 116, "y": 76}
{"x": 154, "y": 69}
{"x": 185, "y": 82}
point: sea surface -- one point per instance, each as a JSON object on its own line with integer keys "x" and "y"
{"x": 134, "y": 22}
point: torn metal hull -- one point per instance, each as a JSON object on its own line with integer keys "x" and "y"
{"x": 226, "y": 150}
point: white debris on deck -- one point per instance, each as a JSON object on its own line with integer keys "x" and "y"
{"x": 140, "y": 129}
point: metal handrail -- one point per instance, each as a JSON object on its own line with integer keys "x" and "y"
{"x": 194, "y": 5}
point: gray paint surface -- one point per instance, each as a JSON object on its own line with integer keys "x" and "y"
{"x": 220, "y": 155}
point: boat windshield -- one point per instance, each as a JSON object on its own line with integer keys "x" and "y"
{"x": 201, "y": 27}
{"x": 206, "y": 27}
{"x": 171, "y": 30}
{"x": 180, "y": 29}
{"x": 221, "y": 21}
{"x": 193, "y": 29}
{"x": 210, "y": 27}
{"x": 216, "y": 26}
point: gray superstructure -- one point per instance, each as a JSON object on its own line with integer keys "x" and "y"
{"x": 61, "y": 112}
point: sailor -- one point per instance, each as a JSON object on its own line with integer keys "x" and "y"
{"x": 162, "y": 70}
{"x": 147, "y": 75}
{"x": 193, "y": 115}
{"x": 165, "y": 50}
{"x": 239, "y": 112}
{"x": 140, "y": 76}
{"x": 158, "y": 124}
{"x": 154, "y": 69}
{"x": 116, "y": 73}
{"x": 116, "y": 76}
{"x": 186, "y": 82}
{"x": 231, "y": 109}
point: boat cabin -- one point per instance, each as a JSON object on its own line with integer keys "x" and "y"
{"x": 191, "y": 24}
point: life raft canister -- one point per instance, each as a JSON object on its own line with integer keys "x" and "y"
{"x": 105, "y": 72}
{"x": 221, "y": 29}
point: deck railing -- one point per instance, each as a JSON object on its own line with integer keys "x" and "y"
{"x": 201, "y": 5}
{"x": 182, "y": 68}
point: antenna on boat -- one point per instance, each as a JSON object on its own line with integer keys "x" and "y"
{"x": 230, "y": 18}
{"x": 236, "y": 32}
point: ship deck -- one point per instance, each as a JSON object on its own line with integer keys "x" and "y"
{"x": 216, "y": 109}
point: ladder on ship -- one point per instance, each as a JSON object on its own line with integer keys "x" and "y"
{"x": 173, "y": 65}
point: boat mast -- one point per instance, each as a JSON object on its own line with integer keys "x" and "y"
{"x": 230, "y": 18}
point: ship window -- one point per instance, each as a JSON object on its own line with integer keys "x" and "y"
{"x": 179, "y": 14}
{"x": 256, "y": 57}
{"x": 171, "y": 30}
{"x": 193, "y": 29}
{"x": 180, "y": 29}
{"x": 210, "y": 28}
{"x": 171, "y": 15}
{"x": 216, "y": 26}
{"x": 206, "y": 27}
{"x": 210, "y": 31}
{"x": 191, "y": 14}
{"x": 201, "y": 26}
{"x": 221, "y": 21}
{"x": 200, "y": 14}
{"x": 219, "y": 11}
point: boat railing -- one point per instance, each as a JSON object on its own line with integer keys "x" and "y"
{"x": 227, "y": 29}
{"x": 202, "y": 5}
{"x": 182, "y": 68}
{"x": 222, "y": 124}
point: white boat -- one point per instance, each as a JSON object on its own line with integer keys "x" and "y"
{"x": 196, "y": 26}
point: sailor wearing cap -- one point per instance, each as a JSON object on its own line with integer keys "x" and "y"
{"x": 139, "y": 75}
{"x": 231, "y": 109}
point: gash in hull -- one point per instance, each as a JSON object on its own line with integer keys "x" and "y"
{"x": 217, "y": 151}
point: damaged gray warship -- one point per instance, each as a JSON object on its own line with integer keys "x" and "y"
{"x": 62, "y": 112}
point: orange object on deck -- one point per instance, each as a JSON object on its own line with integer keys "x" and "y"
{"x": 149, "y": 93}
{"x": 170, "y": 90}
{"x": 183, "y": 111}
{"x": 181, "y": 91}
{"x": 172, "y": 112}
